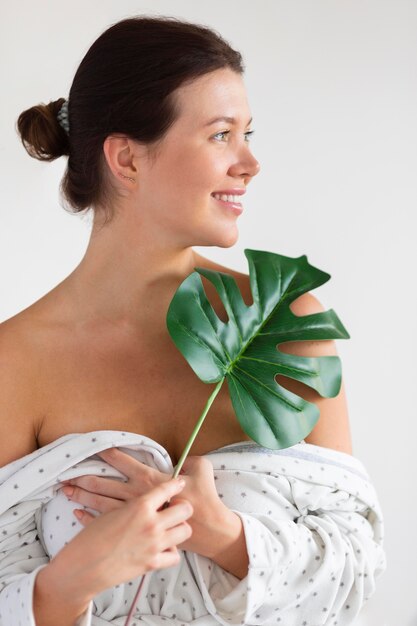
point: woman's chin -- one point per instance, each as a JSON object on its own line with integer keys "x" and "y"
{"x": 222, "y": 235}
{"x": 228, "y": 239}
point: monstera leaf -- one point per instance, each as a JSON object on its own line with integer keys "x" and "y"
{"x": 245, "y": 349}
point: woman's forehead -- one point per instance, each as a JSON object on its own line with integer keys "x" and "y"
{"x": 215, "y": 96}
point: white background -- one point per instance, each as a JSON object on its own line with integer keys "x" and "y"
{"x": 333, "y": 91}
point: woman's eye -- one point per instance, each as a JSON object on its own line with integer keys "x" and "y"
{"x": 223, "y": 132}
{"x": 226, "y": 132}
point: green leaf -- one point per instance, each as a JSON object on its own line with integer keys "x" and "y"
{"x": 245, "y": 349}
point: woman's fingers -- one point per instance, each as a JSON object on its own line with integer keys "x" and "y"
{"x": 177, "y": 512}
{"x": 176, "y": 535}
{"x": 84, "y": 517}
{"x": 167, "y": 558}
{"x": 110, "y": 487}
{"x": 157, "y": 496}
{"x": 126, "y": 464}
{"x": 140, "y": 478}
{"x": 171, "y": 520}
{"x": 95, "y": 501}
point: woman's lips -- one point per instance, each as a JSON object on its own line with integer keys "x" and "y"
{"x": 235, "y": 207}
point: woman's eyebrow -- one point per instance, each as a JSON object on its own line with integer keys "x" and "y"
{"x": 229, "y": 120}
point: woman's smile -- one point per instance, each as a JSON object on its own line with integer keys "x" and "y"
{"x": 229, "y": 203}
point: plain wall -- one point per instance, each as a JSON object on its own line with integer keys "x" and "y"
{"x": 333, "y": 91}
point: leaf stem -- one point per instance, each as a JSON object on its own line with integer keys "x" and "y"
{"x": 197, "y": 428}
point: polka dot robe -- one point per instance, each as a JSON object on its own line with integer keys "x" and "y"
{"x": 312, "y": 523}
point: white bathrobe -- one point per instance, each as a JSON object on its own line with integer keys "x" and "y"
{"x": 311, "y": 518}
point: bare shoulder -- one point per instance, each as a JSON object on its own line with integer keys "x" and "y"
{"x": 18, "y": 390}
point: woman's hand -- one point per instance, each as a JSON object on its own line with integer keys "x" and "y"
{"x": 213, "y": 524}
{"x": 135, "y": 537}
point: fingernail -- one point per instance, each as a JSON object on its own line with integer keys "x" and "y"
{"x": 181, "y": 482}
{"x": 68, "y": 490}
{"x": 78, "y": 514}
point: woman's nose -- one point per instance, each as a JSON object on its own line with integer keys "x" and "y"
{"x": 246, "y": 166}
{"x": 256, "y": 167}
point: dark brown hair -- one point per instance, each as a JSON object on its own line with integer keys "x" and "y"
{"x": 124, "y": 84}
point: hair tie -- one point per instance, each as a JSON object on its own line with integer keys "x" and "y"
{"x": 62, "y": 117}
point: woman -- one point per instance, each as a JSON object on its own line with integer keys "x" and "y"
{"x": 156, "y": 129}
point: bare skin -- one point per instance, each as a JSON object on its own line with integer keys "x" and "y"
{"x": 106, "y": 377}
{"x": 95, "y": 354}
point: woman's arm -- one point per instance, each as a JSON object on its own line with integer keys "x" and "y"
{"x": 85, "y": 566}
{"x": 54, "y": 603}
{"x": 227, "y": 547}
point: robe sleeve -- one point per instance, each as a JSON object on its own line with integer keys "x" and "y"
{"x": 314, "y": 546}
{"x": 22, "y": 556}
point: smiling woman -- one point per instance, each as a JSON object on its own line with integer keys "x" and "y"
{"x": 97, "y": 402}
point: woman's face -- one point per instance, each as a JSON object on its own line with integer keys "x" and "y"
{"x": 196, "y": 159}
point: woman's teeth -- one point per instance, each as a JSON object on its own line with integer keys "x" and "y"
{"x": 226, "y": 198}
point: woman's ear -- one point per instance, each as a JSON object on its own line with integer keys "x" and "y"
{"x": 121, "y": 155}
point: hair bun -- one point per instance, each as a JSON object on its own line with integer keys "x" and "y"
{"x": 63, "y": 118}
{"x": 41, "y": 132}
